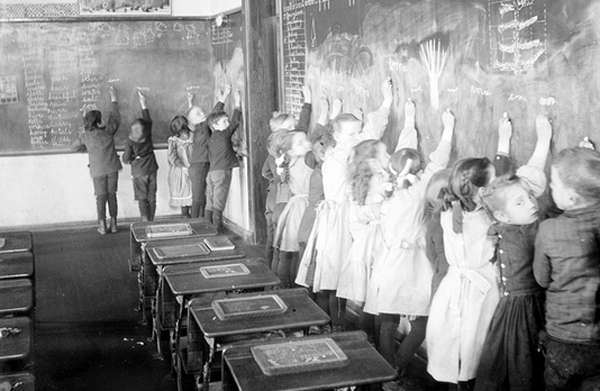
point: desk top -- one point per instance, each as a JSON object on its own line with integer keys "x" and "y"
{"x": 200, "y": 228}
{"x": 14, "y": 242}
{"x": 212, "y": 256}
{"x": 15, "y": 296}
{"x": 18, "y": 346}
{"x": 365, "y": 366}
{"x": 15, "y": 265}
{"x": 187, "y": 279}
{"x": 301, "y": 312}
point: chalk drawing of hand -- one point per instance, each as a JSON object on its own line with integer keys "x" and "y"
{"x": 433, "y": 56}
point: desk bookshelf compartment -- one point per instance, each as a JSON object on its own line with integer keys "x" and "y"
{"x": 299, "y": 356}
{"x": 169, "y": 230}
{"x": 224, "y": 271}
{"x": 181, "y": 250}
{"x": 248, "y": 307}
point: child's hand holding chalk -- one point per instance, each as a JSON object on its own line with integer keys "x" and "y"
{"x": 113, "y": 93}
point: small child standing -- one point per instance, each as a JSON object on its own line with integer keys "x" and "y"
{"x": 510, "y": 360}
{"x": 179, "y": 150}
{"x": 401, "y": 276}
{"x": 98, "y": 140}
{"x": 567, "y": 264}
{"x": 222, "y": 160}
{"x": 139, "y": 152}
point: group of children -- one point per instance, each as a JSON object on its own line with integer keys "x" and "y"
{"x": 477, "y": 258}
{"x": 200, "y": 153}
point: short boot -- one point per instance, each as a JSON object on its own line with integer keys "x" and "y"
{"x": 151, "y": 210}
{"x": 144, "y": 210}
{"x": 217, "y": 219}
{"x": 113, "y": 225}
{"x": 102, "y": 227}
{"x": 208, "y": 214}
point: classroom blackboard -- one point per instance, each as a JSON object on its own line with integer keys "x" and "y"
{"x": 520, "y": 56}
{"x": 51, "y": 72}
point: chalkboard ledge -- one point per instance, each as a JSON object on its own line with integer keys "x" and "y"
{"x": 66, "y": 151}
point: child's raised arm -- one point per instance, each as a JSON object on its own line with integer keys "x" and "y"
{"x": 376, "y": 122}
{"x": 543, "y": 129}
{"x": 145, "y": 116}
{"x": 304, "y": 118}
{"x": 114, "y": 118}
{"x": 408, "y": 135}
{"x": 323, "y": 119}
{"x": 236, "y": 118}
{"x": 190, "y": 99}
{"x": 502, "y": 161}
{"x": 440, "y": 157}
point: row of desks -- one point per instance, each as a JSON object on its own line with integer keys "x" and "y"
{"x": 179, "y": 294}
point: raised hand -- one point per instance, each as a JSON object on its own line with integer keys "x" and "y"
{"x": 113, "y": 93}
{"x": 387, "y": 90}
{"x": 237, "y": 99}
{"x": 505, "y": 127}
{"x": 410, "y": 113}
{"x": 543, "y": 128}
{"x": 336, "y": 108}
{"x": 190, "y": 98}
{"x": 587, "y": 143}
{"x": 306, "y": 92}
{"x": 324, "y": 113}
{"x": 448, "y": 119}
{"x": 141, "y": 98}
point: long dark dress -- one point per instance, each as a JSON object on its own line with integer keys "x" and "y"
{"x": 510, "y": 359}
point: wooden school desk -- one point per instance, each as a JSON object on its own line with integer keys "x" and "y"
{"x": 139, "y": 239}
{"x": 15, "y": 347}
{"x": 15, "y": 242}
{"x": 16, "y": 296}
{"x": 164, "y": 311}
{"x": 16, "y": 265}
{"x": 183, "y": 282}
{"x": 365, "y": 366}
{"x": 20, "y": 381}
{"x": 206, "y": 330}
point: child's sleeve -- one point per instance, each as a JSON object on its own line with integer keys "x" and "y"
{"x": 236, "y": 120}
{"x": 542, "y": 268}
{"x": 147, "y": 124}
{"x": 128, "y": 152}
{"x": 375, "y": 123}
{"x": 304, "y": 118}
{"x": 266, "y": 171}
{"x": 534, "y": 178}
{"x": 114, "y": 119}
{"x": 219, "y": 106}
{"x": 407, "y": 139}
{"x": 172, "y": 155}
{"x": 503, "y": 164}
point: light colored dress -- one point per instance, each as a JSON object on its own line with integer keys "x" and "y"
{"x": 363, "y": 223}
{"x": 180, "y": 185}
{"x": 330, "y": 239}
{"x": 288, "y": 224}
{"x": 464, "y": 304}
{"x": 400, "y": 281}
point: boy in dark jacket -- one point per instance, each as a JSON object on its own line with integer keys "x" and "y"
{"x": 139, "y": 152}
{"x": 98, "y": 140}
{"x": 199, "y": 163}
{"x": 222, "y": 159}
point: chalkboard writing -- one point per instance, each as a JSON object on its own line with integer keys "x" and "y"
{"x": 523, "y": 57}
{"x": 56, "y": 71}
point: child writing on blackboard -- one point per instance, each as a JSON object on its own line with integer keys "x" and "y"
{"x": 222, "y": 160}
{"x": 139, "y": 152}
{"x": 567, "y": 265}
{"x": 104, "y": 162}
{"x": 199, "y": 163}
{"x": 179, "y": 149}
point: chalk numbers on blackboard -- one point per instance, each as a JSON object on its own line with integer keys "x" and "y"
{"x": 8, "y": 90}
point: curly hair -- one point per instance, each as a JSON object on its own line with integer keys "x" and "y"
{"x": 278, "y": 120}
{"x": 178, "y": 124}
{"x": 359, "y": 169}
{"x": 467, "y": 177}
{"x": 399, "y": 159}
{"x": 579, "y": 169}
{"x": 279, "y": 142}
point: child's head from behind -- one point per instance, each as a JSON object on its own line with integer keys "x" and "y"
{"x": 292, "y": 143}
{"x": 218, "y": 121}
{"x": 179, "y": 127}
{"x": 509, "y": 202}
{"x": 322, "y": 140}
{"x": 345, "y": 127}
{"x": 405, "y": 161}
{"x": 282, "y": 121}
{"x": 92, "y": 119}
{"x": 136, "y": 131}
{"x": 467, "y": 177}
{"x": 366, "y": 161}
{"x": 433, "y": 200}
{"x": 575, "y": 178}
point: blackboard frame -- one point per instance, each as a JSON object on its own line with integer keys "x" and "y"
{"x": 99, "y": 18}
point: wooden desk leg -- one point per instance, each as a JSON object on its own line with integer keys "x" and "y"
{"x": 162, "y": 336}
{"x": 134, "y": 250}
{"x": 178, "y": 330}
{"x": 211, "y": 344}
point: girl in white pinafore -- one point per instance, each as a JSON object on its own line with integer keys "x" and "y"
{"x": 463, "y": 305}
{"x": 297, "y": 175}
{"x": 400, "y": 283}
{"x": 329, "y": 241}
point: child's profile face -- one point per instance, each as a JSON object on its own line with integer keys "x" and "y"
{"x": 520, "y": 207}
{"x": 319, "y": 151}
{"x": 347, "y": 131}
{"x": 137, "y": 131}
{"x": 221, "y": 124}
{"x": 564, "y": 197}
